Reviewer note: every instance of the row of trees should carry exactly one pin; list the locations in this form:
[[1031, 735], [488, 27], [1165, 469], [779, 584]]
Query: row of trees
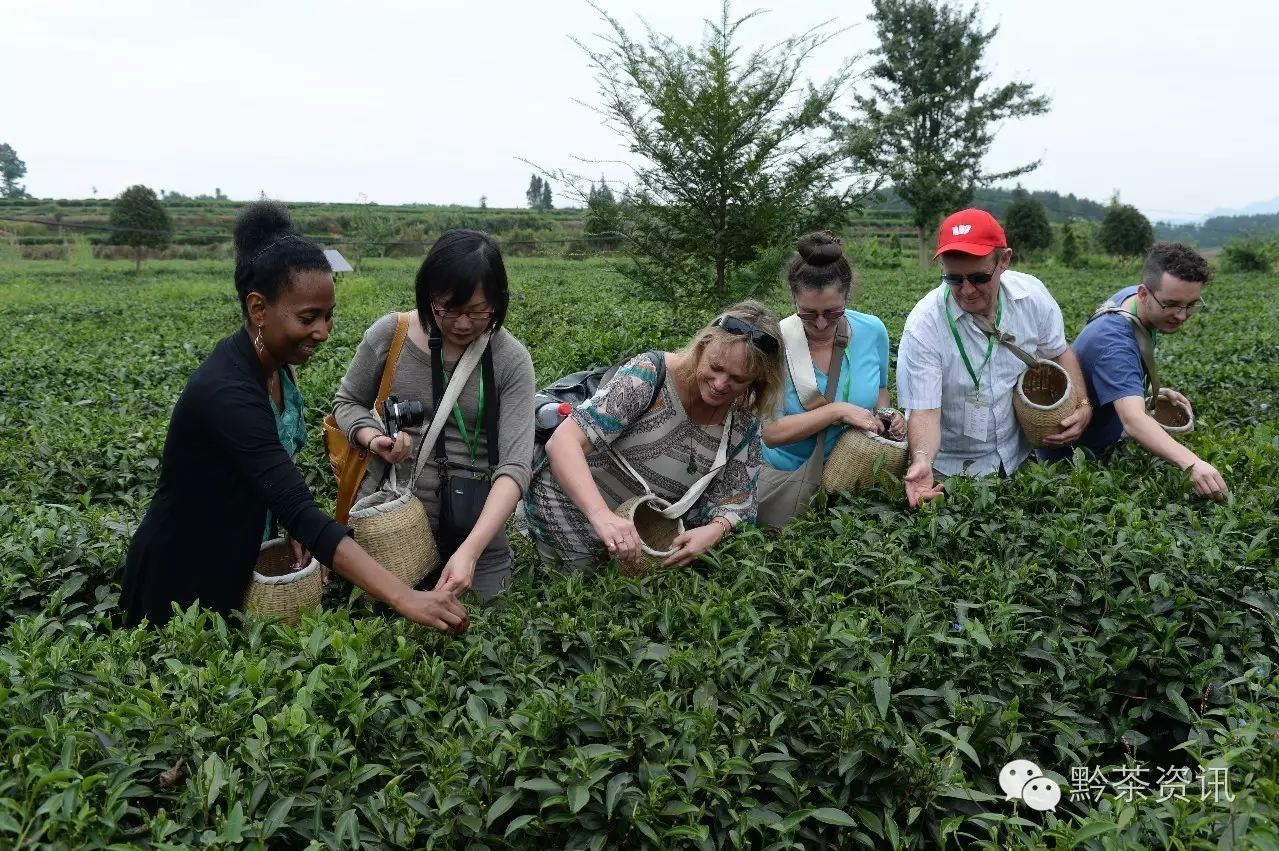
[[538, 194], [739, 153], [1124, 231]]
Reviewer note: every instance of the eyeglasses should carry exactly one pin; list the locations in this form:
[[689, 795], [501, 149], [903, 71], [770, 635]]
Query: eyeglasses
[[833, 315], [762, 340], [1197, 304], [476, 315], [976, 279]]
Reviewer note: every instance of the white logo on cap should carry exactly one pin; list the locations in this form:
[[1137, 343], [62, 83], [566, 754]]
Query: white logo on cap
[[960, 230]]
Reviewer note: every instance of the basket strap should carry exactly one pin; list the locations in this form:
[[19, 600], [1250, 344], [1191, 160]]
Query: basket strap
[[1144, 345], [1003, 338], [698, 487], [817, 458], [444, 405], [799, 360]]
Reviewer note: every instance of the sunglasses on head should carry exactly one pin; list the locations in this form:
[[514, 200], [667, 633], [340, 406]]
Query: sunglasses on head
[[762, 340]]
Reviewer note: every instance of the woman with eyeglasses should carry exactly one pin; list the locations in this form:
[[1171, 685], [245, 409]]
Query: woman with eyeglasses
[[461, 293], [821, 280], [663, 415]]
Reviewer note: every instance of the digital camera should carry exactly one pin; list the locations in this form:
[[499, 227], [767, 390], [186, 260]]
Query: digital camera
[[397, 414]]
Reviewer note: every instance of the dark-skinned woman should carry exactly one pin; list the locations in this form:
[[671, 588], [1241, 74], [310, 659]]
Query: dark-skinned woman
[[226, 474]]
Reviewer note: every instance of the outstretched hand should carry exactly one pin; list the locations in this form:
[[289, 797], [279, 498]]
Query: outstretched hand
[[920, 487]]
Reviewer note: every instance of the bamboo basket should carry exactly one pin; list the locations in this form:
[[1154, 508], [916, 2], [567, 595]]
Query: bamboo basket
[[1043, 397], [656, 533], [278, 592], [1175, 418], [852, 461], [394, 529]]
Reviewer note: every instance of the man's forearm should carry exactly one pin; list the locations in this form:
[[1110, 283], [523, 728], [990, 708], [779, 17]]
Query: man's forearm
[[923, 431]]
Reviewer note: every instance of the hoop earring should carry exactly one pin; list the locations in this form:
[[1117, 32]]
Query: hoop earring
[[257, 341]]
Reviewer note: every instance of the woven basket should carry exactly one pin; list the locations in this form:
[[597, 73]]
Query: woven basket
[[851, 464], [1043, 397], [1175, 418], [655, 533], [279, 592], [394, 529]]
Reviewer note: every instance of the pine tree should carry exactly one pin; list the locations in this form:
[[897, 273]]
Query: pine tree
[[1026, 225], [930, 116], [733, 153], [1070, 253], [534, 192]]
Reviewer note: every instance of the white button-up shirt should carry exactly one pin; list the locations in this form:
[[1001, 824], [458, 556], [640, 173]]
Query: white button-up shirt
[[931, 373]]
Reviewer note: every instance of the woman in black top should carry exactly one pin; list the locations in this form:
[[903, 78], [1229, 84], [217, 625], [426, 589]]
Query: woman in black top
[[224, 466]]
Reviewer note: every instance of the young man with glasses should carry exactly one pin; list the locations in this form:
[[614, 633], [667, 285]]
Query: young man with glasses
[[1172, 282], [956, 383]]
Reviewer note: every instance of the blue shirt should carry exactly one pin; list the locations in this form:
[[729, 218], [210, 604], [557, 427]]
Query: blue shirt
[[863, 374], [290, 425], [1111, 362]]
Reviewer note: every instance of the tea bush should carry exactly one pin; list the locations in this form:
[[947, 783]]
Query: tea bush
[[854, 681]]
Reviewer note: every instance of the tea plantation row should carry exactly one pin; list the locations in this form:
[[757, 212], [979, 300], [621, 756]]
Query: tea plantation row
[[857, 681]]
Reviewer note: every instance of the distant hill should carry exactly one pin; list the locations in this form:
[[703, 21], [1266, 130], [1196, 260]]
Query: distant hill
[[995, 200], [1215, 232], [1260, 208]]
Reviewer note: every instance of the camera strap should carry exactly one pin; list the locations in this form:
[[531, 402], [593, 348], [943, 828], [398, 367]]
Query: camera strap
[[444, 400], [478, 350]]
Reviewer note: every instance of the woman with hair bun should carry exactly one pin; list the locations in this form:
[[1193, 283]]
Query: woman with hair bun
[[821, 281], [227, 472]]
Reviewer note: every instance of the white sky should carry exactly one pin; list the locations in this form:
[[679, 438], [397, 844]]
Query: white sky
[[1172, 103]]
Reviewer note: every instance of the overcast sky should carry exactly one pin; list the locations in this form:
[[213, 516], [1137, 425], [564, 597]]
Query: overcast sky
[[1172, 103]]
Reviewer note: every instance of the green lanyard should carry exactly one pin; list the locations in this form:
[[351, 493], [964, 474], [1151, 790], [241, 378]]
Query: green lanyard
[[472, 443], [963, 353], [1154, 337], [1132, 308]]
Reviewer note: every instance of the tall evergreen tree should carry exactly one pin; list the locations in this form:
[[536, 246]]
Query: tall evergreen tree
[[1070, 253], [534, 192], [733, 149], [545, 203], [1026, 225], [931, 114], [603, 221]]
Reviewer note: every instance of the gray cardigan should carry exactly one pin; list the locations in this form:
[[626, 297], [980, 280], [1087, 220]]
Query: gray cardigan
[[513, 369]]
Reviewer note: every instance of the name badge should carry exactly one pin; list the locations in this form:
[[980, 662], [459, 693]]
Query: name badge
[[976, 417]]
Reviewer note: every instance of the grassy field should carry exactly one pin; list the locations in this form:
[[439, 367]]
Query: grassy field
[[856, 681]]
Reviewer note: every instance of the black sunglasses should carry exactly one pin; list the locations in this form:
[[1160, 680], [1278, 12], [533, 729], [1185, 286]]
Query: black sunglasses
[[976, 279], [762, 340]]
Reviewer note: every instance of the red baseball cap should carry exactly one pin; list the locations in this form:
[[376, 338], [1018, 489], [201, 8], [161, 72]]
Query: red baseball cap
[[970, 231]]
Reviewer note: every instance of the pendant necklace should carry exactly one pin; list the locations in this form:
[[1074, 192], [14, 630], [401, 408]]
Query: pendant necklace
[[692, 462]]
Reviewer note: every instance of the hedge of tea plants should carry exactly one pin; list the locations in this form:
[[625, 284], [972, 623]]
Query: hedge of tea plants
[[854, 682]]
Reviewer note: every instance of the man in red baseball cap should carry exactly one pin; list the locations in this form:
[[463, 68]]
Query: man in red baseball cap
[[953, 378]]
